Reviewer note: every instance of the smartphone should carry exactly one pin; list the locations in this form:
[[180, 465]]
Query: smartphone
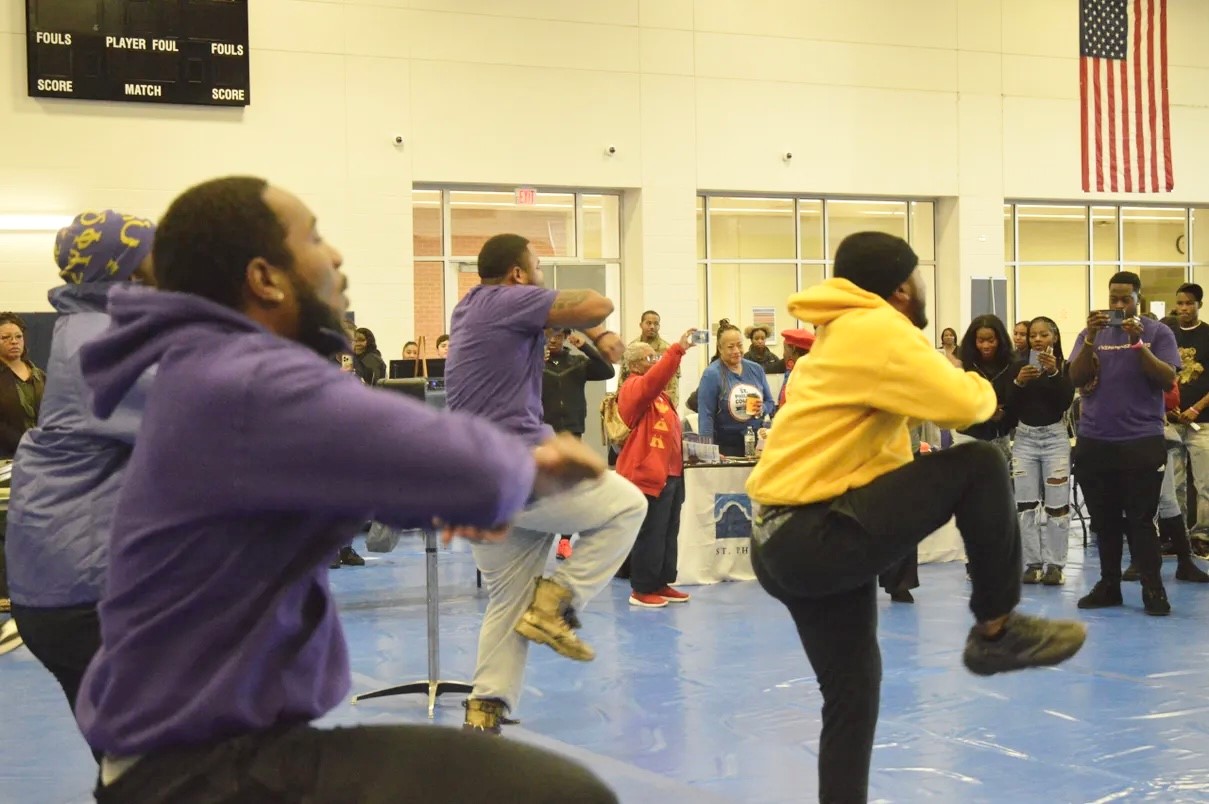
[[1115, 317], [700, 336], [346, 361], [1034, 358]]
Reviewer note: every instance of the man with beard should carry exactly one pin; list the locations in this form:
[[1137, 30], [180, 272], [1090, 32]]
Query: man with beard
[[256, 460], [1121, 453], [496, 372], [839, 499]]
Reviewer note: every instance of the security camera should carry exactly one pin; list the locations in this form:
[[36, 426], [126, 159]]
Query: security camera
[[787, 156], [398, 139], [612, 149]]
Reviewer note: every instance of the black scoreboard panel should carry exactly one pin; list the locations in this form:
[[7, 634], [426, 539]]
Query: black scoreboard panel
[[148, 51]]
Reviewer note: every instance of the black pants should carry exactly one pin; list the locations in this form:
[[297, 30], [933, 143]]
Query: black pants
[[362, 765], [64, 640], [1121, 481], [903, 575], [3, 562], [822, 560], [653, 557], [730, 443]]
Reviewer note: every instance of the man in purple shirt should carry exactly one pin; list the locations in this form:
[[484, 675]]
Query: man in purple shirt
[[1123, 367], [255, 463], [494, 369]]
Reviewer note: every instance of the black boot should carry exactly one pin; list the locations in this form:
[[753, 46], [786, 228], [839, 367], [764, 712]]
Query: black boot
[[1173, 529], [1102, 595], [1154, 599]]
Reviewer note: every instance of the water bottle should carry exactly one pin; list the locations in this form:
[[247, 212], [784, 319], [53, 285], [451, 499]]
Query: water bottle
[[749, 443], [762, 436]]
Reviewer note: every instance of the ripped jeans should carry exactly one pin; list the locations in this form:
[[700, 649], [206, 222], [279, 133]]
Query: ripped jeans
[[1041, 470]]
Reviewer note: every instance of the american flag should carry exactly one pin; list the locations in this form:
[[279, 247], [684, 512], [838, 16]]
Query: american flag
[[1126, 133]]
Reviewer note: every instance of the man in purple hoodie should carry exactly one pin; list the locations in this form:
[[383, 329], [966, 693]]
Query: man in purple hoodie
[[255, 463]]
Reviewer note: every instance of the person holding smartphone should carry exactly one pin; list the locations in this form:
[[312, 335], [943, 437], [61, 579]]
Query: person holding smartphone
[[1121, 454], [1038, 397]]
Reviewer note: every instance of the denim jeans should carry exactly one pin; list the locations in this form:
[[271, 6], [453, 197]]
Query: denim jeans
[[1041, 469], [1194, 449], [1169, 501]]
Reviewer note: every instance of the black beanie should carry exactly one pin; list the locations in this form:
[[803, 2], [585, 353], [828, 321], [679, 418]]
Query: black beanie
[[875, 261]]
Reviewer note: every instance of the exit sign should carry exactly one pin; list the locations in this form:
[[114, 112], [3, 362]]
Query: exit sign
[[526, 196]]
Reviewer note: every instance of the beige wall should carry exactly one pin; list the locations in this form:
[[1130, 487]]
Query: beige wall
[[970, 101]]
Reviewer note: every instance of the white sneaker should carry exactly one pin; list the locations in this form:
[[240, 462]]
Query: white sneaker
[[9, 638]]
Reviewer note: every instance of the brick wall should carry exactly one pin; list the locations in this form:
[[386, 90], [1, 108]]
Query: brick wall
[[428, 305]]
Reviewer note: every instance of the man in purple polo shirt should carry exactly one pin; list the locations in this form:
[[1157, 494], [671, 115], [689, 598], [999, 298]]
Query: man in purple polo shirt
[[494, 369], [255, 463], [1124, 368]]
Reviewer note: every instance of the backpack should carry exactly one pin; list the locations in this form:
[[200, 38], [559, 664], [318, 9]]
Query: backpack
[[612, 428]]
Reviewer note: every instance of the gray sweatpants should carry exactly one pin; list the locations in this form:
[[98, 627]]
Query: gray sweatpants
[[606, 514]]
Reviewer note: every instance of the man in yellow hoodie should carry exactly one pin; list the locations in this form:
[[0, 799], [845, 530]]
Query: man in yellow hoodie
[[839, 499]]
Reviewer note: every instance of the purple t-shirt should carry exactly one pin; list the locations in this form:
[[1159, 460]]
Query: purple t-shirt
[[1125, 404], [494, 369]]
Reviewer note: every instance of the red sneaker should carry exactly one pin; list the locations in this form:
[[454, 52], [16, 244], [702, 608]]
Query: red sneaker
[[647, 601], [673, 595], [564, 549]]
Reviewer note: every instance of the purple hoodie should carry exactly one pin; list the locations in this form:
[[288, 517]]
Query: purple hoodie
[[256, 461]]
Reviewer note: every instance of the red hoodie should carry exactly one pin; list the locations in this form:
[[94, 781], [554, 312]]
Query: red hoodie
[[652, 452]]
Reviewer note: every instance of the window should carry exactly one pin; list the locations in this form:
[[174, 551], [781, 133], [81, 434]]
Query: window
[[450, 225], [754, 252], [1060, 257], [548, 223]]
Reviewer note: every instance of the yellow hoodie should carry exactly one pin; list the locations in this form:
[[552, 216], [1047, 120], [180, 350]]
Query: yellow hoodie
[[844, 422]]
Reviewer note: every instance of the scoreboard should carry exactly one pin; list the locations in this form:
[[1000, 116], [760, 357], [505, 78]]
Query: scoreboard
[[147, 51]]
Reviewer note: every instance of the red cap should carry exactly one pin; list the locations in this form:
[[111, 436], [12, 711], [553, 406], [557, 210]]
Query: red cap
[[801, 338]]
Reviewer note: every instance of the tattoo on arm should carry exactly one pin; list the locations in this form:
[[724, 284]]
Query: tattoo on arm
[[567, 299]]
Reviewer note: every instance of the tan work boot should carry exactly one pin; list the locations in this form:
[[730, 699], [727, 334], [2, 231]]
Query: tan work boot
[[545, 622], [484, 714]]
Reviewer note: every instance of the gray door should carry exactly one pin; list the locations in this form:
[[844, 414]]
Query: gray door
[[588, 277]]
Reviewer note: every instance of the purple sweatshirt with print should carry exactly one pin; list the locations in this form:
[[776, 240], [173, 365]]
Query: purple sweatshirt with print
[[256, 461]]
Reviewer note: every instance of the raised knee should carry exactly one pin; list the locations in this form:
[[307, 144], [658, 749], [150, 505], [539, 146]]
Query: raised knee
[[983, 454]]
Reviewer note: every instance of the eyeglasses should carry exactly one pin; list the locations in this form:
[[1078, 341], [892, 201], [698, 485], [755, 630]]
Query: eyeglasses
[[11, 338]]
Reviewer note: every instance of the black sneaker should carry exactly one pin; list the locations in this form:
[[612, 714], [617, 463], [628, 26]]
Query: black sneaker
[[349, 557], [902, 596], [1101, 596], [1026, 642], [1131, 573], [1154, 600]]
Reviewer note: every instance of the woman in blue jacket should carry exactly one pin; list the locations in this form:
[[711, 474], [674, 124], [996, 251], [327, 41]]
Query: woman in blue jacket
[[68, 470], [733, 396]]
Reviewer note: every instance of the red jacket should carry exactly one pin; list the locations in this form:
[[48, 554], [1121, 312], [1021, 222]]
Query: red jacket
[[653, 450]]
